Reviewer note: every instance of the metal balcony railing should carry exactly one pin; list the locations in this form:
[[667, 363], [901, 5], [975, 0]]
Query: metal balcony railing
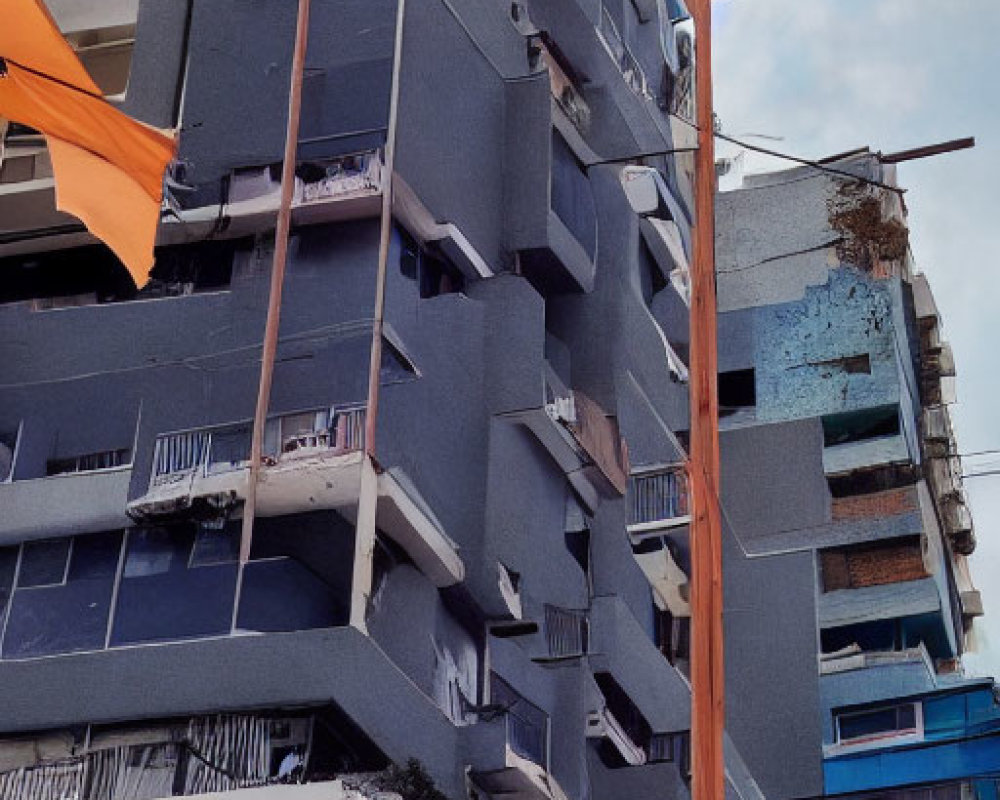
[[527, 725], [660, 496], [209, 451]]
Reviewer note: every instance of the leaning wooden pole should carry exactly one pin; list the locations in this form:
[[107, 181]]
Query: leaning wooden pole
[[271, 326], [707, 675]]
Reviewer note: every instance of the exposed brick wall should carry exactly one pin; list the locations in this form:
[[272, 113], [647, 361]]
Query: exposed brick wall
[[892, 561], [878, 504]]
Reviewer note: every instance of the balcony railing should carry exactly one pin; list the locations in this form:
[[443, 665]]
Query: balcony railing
[[527, 725], [658, 499], [211, 451]]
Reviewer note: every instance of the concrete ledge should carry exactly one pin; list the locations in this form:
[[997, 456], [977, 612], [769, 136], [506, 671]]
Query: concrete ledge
[[79, 502]]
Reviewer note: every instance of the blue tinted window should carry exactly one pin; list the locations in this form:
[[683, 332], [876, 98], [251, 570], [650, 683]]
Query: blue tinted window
[[154, 551], [48, 616], [95, 556], [43, 563], [214, 546]]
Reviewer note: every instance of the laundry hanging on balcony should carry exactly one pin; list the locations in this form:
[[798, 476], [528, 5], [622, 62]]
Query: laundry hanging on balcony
[[108, 168]]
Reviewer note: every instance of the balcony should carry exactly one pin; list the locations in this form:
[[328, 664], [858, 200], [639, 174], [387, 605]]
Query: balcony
[[625, 734], [311, 461], [658, 499], [510, 747], [75, 502], [582, 438], [337, 190]]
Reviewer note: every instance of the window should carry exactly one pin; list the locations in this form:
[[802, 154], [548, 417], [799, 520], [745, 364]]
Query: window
[[857, 426], [672, 634], [106, 459], [177, 584], [63, 594], [737, 390], [876, 724], [43, 563], [192, 268], [433, 272]]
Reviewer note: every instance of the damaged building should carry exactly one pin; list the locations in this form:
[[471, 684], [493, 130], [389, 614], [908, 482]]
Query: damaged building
[[505, 607], [478, 585], [848, 594]]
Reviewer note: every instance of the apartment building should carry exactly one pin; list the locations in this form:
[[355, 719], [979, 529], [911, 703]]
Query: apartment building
[[848, 591], [514, 620]]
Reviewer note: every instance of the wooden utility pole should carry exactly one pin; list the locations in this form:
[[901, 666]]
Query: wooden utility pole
[[707, 674], [271, 326]]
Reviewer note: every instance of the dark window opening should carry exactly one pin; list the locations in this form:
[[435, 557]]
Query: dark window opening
[[83, 276], [737, 390], [106, 459], [396, 366], [64, 278], [857, 426], [434, 274], [875, 564], [651, 276], [673, 636], [628, 716], [875, 479], [877, 723], [870, 637], [578, 544], [300, 573], [188, 269]]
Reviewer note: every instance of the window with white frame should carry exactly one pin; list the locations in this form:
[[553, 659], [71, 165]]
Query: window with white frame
[[874, 725]]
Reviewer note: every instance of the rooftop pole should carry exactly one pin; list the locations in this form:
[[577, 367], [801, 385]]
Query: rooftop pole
[[281, 234], [707, 675]]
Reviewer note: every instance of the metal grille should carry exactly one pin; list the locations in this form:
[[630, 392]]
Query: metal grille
[[180, 452], [658, 496], [566, 631], [527, 725]]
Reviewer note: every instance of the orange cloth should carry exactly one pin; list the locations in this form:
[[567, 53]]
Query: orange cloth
[[112, 205], [108, 168], [29, 36], [88, 122]]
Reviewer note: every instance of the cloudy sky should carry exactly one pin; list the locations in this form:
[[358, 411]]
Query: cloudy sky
[[831, 75]]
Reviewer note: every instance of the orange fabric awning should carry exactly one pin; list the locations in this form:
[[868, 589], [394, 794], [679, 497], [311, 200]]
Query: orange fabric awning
[[108, 167]]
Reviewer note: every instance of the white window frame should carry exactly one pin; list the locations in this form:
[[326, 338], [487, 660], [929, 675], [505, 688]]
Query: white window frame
[[885, 738]]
